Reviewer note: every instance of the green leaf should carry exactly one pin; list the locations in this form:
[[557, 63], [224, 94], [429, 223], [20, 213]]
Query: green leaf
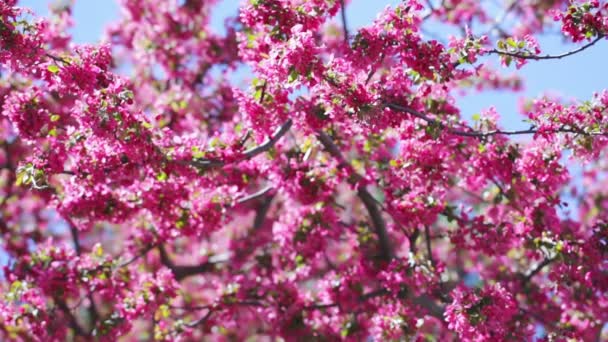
[[197, 153], [293, 75], [53, 68], [511, 42], [162, 176]]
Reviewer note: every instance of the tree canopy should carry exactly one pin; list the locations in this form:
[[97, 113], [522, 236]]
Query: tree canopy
[[339, 193]]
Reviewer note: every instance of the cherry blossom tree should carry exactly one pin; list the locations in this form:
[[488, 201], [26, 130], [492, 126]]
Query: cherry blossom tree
[[338, 194]]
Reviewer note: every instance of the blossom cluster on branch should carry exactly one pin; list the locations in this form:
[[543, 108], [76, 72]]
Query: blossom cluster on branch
[[146, 193]]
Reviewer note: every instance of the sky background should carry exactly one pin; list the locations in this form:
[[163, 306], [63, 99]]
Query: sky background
[[577, 76]]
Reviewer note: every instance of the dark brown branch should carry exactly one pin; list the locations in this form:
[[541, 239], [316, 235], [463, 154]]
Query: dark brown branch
[[202, 320], [74, 325], [251, 153], [93, 312], [363, 298], [181, 272], [386, 252], [537, 57], [344, 23], [260, 215], [74, 234], [429, 248], [255, 195], [412, 240], [135, 258], [537, 269], [57, 59], [470, 132], [424, 301]]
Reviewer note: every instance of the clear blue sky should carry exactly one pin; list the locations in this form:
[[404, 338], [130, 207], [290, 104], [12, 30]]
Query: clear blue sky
[[577, 76]]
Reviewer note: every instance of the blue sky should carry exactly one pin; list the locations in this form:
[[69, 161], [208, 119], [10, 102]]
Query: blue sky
[[577, 76]]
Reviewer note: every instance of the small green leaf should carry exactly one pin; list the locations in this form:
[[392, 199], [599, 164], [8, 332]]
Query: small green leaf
[[55, 118], [162, 176], [53, 68], [511, 42], [293, 75]]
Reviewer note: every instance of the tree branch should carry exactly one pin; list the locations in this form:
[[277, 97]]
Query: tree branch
[[429, 249], [181, 272], [255, 195], [537, 269], [74, 325], [344, 24], [470, 132], [537, 58], [249, 154], [260, 215], [368, 200]]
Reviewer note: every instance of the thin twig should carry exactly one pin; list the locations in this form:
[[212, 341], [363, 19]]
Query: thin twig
[[181, 272], [537, 269], [249, 154], [429, 249], [344, 24], [470, 132], [255, 195], [135, 258], [57, 59], [544, 57]]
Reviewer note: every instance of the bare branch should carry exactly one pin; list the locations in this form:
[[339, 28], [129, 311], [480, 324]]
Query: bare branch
[[74, 325], [537, 269], [249, 154], [470, 132], [429, 249], [537, 57], [135, 258], [255, 195], [344, 24], [260, 215], [181, 272], [368, 200]]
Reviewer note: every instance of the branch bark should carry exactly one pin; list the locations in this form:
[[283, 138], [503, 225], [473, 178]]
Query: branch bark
[[249, 154], [470, 132], [181, 272], [386, 251], [544, 57], [74, 325], [344, 24]]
